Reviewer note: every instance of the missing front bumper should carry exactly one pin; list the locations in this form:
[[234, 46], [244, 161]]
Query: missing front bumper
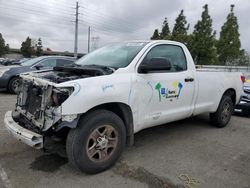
[[24, 135]]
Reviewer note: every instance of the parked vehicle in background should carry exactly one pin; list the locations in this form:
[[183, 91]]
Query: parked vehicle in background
[[7, 61], [100, 102], [244, 105], [9, 75], [1, 60], [20, 61]]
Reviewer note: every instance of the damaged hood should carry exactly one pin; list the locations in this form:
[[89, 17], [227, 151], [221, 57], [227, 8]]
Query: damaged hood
[[67, 73]]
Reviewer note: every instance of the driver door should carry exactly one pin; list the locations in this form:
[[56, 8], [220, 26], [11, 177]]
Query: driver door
[[165, 96]]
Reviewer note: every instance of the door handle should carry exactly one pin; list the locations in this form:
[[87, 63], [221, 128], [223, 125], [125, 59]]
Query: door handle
[[189, 79]]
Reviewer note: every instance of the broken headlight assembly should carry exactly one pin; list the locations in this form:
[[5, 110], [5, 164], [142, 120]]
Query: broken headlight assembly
[[59, 95]]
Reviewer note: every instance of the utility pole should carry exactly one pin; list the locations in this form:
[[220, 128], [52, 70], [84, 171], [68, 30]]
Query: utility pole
[[89, 39], [76, 30]]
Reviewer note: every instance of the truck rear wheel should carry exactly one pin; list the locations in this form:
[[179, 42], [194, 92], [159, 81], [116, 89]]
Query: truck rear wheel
[[224, 112], [97, 142]]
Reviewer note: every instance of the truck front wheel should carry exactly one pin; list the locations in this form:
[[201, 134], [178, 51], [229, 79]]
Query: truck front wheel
[[224, 112], [97, 142]]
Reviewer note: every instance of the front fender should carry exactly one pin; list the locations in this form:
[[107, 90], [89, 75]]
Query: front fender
[[94, 91]]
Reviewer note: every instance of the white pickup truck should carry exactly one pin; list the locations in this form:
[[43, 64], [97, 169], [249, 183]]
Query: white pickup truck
[[97, 104]]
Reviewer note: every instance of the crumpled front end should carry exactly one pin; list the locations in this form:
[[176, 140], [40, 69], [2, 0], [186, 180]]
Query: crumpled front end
[[43, 100], [39, 103], [38, 111], [20, 133]]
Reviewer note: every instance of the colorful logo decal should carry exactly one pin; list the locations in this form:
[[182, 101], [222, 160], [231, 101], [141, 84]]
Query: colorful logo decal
[[168, 93]]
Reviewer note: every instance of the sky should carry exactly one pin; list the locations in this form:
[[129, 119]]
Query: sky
[[109, 20]]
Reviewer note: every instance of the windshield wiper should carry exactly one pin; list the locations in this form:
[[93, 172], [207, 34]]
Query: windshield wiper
[[76, 65], [101, 66]]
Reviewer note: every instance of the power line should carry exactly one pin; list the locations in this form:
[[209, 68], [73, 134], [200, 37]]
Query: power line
[[103, 28], [96, 22], [35, 13], [65, 7], [38, 9], [120, 27], [111, 27], [33, 8], [98, 17], [107, 32], [94, 25], [92, 11], [65, 25], [101, 25], [116, 27], [61, 17]]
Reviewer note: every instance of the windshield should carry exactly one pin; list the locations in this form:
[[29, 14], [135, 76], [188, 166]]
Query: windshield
[[116, 55], [31, 62]]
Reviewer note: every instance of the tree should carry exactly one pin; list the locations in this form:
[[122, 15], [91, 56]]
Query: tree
[[165, 31], [39, 47], [229, 41], [203, 48], [180, 29], [156, 35], [3, 49], [27, 49], [7, 48], [244, 59]]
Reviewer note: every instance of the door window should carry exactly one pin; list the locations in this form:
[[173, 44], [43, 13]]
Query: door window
[[48, 63], [62, 62], [172, 53]]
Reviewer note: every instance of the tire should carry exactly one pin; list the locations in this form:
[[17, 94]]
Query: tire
[[224, 112], [99, 132], [13, 85]]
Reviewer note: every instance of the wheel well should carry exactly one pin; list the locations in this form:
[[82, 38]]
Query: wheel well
[[15, 76], [231, 93], [12, 78], [8, 83], [125, 113]]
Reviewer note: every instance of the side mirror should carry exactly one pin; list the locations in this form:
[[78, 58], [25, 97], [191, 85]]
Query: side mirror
[[38, 67], [155, 64]]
